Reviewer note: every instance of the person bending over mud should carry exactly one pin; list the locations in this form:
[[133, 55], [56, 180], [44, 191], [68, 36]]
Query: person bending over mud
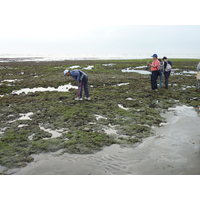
[[82, 78]]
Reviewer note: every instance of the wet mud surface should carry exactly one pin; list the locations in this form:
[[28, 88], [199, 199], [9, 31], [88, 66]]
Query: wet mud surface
[[173, 150], [123, 111]]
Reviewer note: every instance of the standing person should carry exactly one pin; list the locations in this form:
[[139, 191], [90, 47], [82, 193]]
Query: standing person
[[154, 72], [161, 67], [82, 78], [166, 73], [198, 78]]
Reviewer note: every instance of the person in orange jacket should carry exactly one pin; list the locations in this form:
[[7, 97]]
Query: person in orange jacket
[[154, 72]]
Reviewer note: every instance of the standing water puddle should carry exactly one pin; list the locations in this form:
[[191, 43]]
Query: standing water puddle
[[55, 133], [63, 88], [136, 71]]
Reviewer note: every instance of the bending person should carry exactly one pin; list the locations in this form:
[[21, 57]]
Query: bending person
[[82, 78]]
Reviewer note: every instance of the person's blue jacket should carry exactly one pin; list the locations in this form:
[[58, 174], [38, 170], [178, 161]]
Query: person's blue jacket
[[76, 74]]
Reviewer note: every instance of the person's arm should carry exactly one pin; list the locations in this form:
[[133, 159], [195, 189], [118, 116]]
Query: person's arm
[[152, 65], [75, 75]]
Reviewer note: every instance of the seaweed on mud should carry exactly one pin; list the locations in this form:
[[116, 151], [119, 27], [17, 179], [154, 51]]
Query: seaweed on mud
[[81, 131]]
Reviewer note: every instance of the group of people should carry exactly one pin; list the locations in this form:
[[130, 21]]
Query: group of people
[[158, 68]]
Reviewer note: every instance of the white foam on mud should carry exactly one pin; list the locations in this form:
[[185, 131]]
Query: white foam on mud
[[63, 88], [140, 67], [172, 85], [129, 99], [123, 84], [55, 133], [189, 72], [121, 106], [26, 116], [31, 137], [11, 81], [110, 131], [186, 73], [99, 117], [107, 65], [7, 84], [2, 131], [136, 71], [89, 67], [186, 87], [22, 125], [74, 67]]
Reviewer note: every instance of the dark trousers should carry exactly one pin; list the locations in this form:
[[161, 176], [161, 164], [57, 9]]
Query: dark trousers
[[167, 74], [83, 83], [154, 76]]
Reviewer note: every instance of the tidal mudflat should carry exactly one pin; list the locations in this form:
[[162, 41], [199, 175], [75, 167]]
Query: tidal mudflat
[[38, 113]]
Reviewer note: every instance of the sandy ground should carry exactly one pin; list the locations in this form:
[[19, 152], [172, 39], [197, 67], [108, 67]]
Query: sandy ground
[[173, 150]]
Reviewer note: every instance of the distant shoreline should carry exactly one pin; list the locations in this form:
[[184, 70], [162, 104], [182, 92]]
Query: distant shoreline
[[81, 57]]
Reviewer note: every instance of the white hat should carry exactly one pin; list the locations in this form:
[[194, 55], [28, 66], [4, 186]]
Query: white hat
[[65, 72]]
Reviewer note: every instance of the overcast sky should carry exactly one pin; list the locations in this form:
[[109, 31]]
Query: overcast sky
[[98, 27]]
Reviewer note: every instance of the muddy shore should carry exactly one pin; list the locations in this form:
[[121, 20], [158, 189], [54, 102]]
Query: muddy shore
[[122, 115], [173, 150]]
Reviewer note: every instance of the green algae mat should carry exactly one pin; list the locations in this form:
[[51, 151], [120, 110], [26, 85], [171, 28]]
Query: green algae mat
[[122, 109]]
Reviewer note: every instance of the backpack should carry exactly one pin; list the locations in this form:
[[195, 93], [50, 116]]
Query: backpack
[[161, 67], [168, 67]]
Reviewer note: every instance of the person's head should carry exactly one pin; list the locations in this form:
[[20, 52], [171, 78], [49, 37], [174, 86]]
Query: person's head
[[66, 72], [160, 60], [155, 56], [164, 58]]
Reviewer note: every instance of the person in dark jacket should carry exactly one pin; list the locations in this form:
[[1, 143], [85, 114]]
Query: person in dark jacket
[[166, 73], [82, 78], [161, 68]]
